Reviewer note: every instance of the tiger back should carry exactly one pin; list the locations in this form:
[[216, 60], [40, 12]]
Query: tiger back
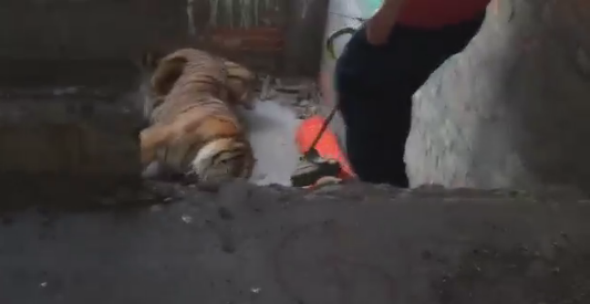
[[194, 130], [240, 83]]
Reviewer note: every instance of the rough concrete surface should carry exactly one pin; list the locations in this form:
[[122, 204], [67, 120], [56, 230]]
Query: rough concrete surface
[[511, 110], [67, 140], [68, 129], [358, 244]]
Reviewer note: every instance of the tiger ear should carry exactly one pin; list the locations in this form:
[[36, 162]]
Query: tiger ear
[[166, 73]]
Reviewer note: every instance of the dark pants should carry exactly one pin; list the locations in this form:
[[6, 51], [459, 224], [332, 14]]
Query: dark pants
[[375, 87]]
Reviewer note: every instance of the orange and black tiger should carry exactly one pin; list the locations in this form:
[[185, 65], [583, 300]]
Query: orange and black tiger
[[194, 130]]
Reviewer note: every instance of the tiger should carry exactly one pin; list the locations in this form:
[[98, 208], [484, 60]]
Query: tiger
[[193, 129]]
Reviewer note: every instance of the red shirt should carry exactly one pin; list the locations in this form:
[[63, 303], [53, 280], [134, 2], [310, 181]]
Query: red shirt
[[437, 13]]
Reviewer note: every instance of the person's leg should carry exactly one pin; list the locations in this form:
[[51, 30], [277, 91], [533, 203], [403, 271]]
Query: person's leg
[[375, 87], [366, 138]]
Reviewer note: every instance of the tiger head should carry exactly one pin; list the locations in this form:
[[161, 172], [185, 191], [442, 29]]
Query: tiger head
[[222, 160]]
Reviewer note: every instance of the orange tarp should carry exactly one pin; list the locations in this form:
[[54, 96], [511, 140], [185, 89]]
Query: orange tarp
[[327, 146]]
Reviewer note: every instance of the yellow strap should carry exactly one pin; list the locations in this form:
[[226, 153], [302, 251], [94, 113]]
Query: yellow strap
[[333, 36]]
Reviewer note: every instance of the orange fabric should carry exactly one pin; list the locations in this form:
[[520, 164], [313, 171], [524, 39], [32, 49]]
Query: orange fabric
[[327, 146], [438, 13]]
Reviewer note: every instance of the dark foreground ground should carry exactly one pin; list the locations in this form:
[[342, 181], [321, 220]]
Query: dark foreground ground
[[361, 244]]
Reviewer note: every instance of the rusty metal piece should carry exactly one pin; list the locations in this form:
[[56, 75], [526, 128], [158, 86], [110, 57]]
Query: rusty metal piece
[[262, 39]]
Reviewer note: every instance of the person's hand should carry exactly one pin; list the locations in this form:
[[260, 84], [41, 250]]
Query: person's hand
[[376, 34], [381, 24]]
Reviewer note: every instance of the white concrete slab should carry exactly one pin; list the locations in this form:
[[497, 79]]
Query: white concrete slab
[[272, 134]]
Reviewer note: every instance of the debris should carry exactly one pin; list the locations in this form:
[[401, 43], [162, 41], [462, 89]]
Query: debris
[[266, 88], [187, 218], [255, 290]]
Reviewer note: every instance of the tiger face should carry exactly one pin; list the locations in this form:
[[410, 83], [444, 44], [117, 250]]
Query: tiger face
[[222, 160]]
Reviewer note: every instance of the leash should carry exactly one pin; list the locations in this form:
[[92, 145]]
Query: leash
[[312, 152]]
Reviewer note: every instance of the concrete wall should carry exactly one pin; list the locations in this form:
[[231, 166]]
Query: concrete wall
[[104, 31]]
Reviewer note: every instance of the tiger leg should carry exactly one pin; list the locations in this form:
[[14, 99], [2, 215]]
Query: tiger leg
[[151, 139]]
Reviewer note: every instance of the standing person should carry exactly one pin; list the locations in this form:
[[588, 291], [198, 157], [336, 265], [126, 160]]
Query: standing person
[[383, 64]]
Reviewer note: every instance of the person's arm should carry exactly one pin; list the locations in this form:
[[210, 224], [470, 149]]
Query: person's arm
[[380, 25]]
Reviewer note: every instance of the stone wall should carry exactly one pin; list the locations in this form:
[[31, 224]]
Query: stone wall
[[511, 110]]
